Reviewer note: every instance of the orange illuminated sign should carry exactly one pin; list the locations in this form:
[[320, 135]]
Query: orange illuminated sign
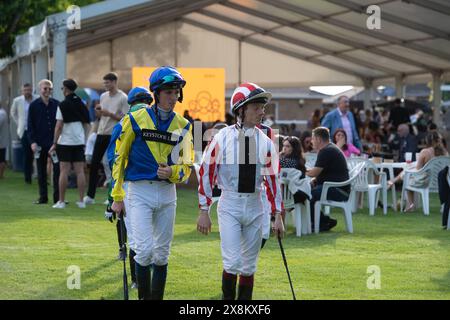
[[203, 95]]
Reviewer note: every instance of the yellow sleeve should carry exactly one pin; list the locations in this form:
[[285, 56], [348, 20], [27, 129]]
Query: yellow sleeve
[[123, 146], [182, 170]]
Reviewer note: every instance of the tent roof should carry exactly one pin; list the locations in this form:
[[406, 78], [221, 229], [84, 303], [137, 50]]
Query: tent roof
[[414, 38]]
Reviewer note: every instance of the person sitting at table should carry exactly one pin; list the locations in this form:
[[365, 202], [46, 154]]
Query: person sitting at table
[[330, 166], [306, 143], [434, 148], [404, 142], [340, 139], [291, 157]]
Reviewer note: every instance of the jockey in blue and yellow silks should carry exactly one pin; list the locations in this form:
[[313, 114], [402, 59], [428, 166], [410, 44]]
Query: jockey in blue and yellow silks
[[153, 152], [138, 98]]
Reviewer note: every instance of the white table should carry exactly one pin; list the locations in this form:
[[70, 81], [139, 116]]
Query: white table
[[390, 167]]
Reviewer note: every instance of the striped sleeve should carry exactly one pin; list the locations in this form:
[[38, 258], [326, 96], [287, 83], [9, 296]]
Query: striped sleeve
[[208, 174], [271, 180]]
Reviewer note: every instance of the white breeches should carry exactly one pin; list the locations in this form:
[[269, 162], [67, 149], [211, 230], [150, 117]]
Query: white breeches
[[240, 222], [151, 215]]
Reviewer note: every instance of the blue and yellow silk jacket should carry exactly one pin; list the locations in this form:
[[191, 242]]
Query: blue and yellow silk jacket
[[145, 142]]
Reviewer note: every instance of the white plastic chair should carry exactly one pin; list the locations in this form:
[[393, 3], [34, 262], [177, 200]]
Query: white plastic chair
[[345, 205], [362, 183], [301, 213], [431, 168]]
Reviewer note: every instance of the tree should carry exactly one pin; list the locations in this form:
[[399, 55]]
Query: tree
[[19, 15]]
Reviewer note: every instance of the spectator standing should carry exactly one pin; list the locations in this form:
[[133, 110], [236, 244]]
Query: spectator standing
[[113, 106], [41, 129], [19, 114], [72, 124], [342, 117], [4, 140]]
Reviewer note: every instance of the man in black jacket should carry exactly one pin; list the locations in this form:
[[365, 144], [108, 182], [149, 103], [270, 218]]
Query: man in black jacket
[[41, 127]]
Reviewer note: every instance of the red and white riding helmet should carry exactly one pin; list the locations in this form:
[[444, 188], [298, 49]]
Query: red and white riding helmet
[[248, 92]]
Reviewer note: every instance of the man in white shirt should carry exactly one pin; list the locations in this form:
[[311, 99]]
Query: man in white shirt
[[113, 106], [72, 124], [19, 114]]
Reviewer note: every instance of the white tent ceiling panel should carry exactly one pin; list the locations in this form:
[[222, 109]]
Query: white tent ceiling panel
[[381, 61], [387, 28], [310, 38], [320, 6], [418, 14], [345, 33], [438, 44], [422, 78], [285, 45], [262, 7], [241, 16], [219, 24], [287, 71], [366, 3], [417, 56], [351, 66]]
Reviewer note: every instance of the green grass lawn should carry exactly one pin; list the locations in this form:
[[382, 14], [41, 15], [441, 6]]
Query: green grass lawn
[[39, 243]]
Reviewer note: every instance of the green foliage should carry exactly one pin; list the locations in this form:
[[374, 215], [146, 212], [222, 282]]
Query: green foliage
[[39, 243], [17, 16]]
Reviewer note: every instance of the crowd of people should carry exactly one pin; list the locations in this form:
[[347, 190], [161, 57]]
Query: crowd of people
[[148, 148]]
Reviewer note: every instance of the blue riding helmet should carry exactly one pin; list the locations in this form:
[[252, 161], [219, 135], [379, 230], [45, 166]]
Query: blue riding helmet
[[167, 77], [140, 94]]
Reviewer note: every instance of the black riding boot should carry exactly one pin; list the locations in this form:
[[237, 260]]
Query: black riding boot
[[245, 290], [159, 281], [143, 280], [228, 286]]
